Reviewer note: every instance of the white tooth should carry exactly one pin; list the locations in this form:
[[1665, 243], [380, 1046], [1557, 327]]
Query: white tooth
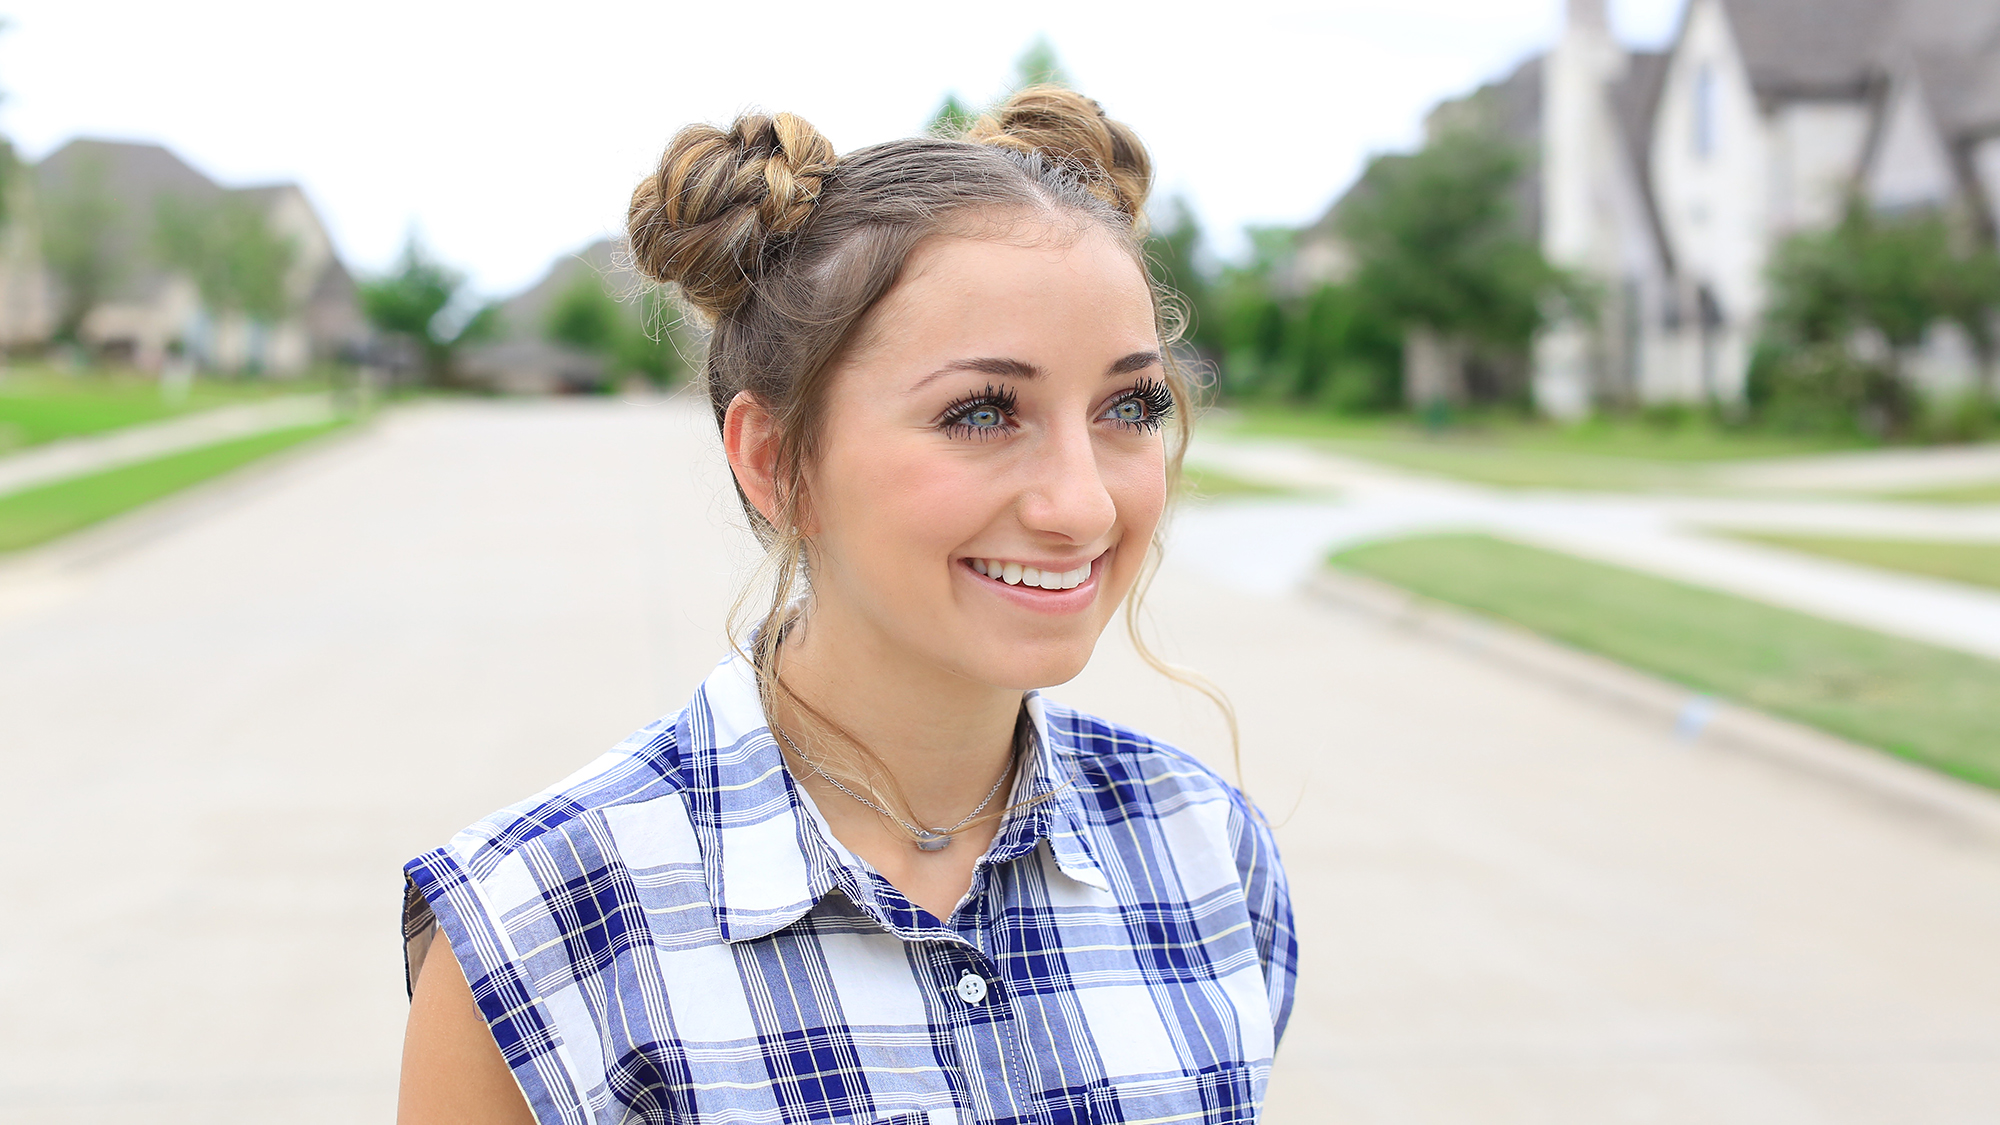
[[1074, 578], [1051, 580], [1030, 576], [995, 568], [1012, 574], [979, 565]]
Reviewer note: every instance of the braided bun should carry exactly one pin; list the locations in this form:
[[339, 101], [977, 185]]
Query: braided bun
[[1070, 129], [705, 219]]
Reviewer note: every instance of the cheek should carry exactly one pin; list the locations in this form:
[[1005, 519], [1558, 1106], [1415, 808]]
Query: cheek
[[896, 507], [1138, 488]]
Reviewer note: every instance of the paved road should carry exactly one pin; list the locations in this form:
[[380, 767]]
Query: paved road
[[1516, 907]]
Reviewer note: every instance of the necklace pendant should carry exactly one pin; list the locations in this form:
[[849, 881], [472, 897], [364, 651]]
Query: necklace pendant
[[933, 841]]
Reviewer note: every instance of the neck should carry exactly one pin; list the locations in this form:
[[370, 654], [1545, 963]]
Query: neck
[[943, 738]]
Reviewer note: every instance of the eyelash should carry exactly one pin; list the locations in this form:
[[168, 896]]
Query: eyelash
[[953, 418], [1155, 395], [1159, 400]]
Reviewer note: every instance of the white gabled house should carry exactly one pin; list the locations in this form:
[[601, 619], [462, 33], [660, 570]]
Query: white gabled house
[[1766, 116], [1669, 177]]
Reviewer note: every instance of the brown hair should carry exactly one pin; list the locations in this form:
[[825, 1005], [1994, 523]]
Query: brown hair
[[783, 248]]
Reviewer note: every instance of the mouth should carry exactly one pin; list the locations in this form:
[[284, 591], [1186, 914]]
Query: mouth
[[1035, 577]]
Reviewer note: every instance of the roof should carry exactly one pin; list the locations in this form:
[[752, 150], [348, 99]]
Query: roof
[[133, 177], [1812, 48], [525, 312], [1844, 48], [1511, 107]]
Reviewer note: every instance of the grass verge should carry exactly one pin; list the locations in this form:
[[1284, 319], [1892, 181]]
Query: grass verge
[[1927, 704], [1203, 483], [37, 515], [1602, 453], [39, 406], [1977, 563]]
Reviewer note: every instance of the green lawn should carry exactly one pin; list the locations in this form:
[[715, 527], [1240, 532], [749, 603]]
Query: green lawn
[[1603, 453], [1977, 563], [1967, 494], [1928, 704], [1202, 483], [37, 405], [37, 515]]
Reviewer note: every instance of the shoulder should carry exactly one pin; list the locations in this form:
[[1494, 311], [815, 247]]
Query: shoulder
[[645, 770], [1159, 802], [1127, 766]]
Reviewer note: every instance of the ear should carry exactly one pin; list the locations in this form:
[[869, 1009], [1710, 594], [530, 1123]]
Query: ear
[[750, 438]]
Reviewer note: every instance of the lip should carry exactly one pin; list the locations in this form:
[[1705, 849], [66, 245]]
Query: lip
[[1035, 598]]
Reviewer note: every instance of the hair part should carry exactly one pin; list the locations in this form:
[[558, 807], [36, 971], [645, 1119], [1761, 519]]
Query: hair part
[[784, 250]]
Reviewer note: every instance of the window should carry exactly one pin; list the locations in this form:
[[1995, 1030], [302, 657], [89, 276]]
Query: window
[[1704, 110]]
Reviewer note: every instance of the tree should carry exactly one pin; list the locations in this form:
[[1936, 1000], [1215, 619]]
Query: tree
[[1893, 275], [1439, 247], [80, 223], [584, 316], [1039, 66], [413, 301], [952, 119], [239, 262], [632, 339], [10, 175]]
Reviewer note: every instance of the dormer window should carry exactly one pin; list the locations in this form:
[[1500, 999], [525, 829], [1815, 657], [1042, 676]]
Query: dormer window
[[1704, 110]]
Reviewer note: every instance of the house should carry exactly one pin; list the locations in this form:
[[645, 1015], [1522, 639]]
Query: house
[[1669, 177], [89, 253], [524, 360]]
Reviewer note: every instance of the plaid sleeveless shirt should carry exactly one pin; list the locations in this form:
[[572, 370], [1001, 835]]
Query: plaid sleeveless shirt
[[673, 935]]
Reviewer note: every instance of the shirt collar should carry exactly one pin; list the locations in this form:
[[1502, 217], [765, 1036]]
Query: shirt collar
[[767, 855]]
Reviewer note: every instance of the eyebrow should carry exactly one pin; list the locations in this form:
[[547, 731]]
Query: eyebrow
[[1021, 369]]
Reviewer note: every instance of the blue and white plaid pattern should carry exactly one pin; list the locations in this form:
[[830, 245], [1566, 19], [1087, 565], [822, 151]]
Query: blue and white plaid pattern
[[656, 939]]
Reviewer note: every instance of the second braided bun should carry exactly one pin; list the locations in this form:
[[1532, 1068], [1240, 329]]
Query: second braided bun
[[720, 200], [1067, 128]]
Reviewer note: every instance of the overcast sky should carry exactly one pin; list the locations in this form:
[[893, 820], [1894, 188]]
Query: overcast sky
[[508, 134]]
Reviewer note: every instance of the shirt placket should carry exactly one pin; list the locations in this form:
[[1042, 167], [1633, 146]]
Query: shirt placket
[[982, 1016]]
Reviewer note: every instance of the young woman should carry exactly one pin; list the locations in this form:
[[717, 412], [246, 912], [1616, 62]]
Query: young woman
[[869, 873]]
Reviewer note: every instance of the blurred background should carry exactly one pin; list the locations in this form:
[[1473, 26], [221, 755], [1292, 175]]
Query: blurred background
[[1596, 522]]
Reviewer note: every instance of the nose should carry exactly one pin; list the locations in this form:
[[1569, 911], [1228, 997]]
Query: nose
[[1066, 495]]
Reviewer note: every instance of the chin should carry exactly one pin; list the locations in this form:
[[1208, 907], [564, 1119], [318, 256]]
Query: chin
[[1031, 666]]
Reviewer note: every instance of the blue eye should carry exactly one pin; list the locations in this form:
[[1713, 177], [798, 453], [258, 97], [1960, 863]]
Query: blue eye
[[986, 414], [1149, 403]]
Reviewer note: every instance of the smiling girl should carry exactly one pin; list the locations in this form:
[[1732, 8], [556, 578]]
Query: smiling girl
[[870, 873]]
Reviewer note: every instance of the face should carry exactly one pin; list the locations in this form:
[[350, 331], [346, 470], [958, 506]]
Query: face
[[992, 466]]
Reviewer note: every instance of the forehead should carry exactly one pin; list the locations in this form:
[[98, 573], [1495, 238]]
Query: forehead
[[1015, 287]]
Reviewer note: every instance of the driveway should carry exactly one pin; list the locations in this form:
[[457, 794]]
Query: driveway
[[1516, 905]]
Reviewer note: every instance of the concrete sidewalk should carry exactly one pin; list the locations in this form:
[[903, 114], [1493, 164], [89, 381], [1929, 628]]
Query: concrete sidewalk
[[1516, 906], [1875, 470], [1272, 545], [44, 464]]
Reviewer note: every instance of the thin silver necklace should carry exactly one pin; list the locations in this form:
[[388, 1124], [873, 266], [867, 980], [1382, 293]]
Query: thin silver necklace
[[926, 839]]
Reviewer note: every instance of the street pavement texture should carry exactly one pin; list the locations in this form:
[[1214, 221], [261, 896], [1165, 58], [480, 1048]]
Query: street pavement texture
[[1269, 546], [222, 738]]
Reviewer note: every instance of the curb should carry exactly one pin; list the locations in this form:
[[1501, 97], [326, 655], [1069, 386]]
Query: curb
[[1697, 719], [41, 575]]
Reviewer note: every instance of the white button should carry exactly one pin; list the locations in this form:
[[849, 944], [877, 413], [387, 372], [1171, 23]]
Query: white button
[[971, 987]]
